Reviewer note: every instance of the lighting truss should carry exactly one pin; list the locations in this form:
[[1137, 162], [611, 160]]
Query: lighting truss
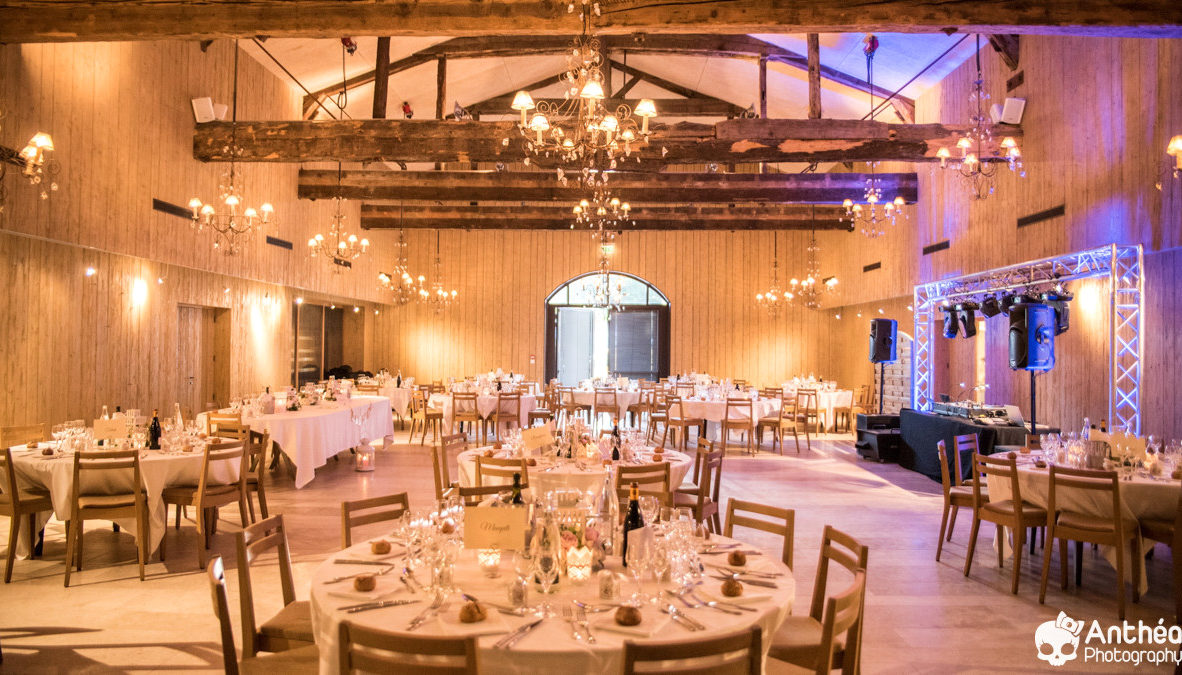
[[1123, 265]]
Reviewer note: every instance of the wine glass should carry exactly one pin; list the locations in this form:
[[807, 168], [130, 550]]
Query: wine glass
[[649, 508], [638, 563]]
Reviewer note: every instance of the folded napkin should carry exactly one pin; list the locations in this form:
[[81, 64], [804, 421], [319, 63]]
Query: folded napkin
[[347, 592], [744, 599], [447, 622], [652, 621]]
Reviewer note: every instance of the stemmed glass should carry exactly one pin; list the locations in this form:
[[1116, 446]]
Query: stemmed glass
[[545, 550], [638, 564], [649, 508]]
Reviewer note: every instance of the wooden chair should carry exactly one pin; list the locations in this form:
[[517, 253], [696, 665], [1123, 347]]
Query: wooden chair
[[500, 471], [1168, 532], [451, 444], [739, 383], [367, 389], [684, 389], [545, 411], [690, 484], [742, 514], [23, 435], [815, 641], [302, 660], [1117, 531], [507, 413], [464, 409], [256, 458], [739, 416], [606, 403], [704, 503], [291, 627], [806, 411], [472, 496], [644, 405], [571, 407], [785, 420], [420, 414], [1012, 513], [398, 504], [659, 415], [208, 495], [21, 507], [652, 479], [372, 650], [955, 497], [966, 443], [132, 503], [214, 419], [734, 654], [844, 415], [677, 420]]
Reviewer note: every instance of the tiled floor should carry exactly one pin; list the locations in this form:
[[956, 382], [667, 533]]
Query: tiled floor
[[922, 616]]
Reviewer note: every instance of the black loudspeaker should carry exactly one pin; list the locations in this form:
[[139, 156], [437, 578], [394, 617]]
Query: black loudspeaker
[[1032, 336], [882, 340]]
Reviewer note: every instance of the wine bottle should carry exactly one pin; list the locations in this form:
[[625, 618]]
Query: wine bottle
[[176, 411], [154, 431], [1086, 430], [633, 521], [609, 513], [398, 382], [106, 415], [517, 490], [615, 440]]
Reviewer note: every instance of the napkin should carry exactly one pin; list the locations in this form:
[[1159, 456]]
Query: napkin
[[387, 585], [651, 623], [744, 599], [448, 622]]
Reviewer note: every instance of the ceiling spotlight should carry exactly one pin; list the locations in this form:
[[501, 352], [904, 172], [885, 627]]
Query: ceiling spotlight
[[159, 280], [967, 314], [299, 301], [990, 307], [950, 324], [356, 309], [837, 316], [90, 271], [1058, 301], [226, 289], [880, 310]]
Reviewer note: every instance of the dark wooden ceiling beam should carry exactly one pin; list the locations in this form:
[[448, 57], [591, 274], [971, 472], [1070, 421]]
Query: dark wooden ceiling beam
[[1007, 47], [89, 21], [695, 188], [729, 141], [671, 107], [556, 217]]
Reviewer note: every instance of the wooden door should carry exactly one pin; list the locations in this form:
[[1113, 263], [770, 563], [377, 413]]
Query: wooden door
[[203, 358]]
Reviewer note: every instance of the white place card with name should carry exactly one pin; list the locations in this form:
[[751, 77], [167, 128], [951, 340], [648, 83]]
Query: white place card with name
[[494, 527], [538, 437], [110, 429]]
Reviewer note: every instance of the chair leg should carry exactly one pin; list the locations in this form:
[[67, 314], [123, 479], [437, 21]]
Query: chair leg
[[243, 500], [143, 535], [1120, 582], [1046, 572], [14, 530], [202, 537], [968, 559], [943, 525], [1001, 540], [33, 549], [1019, 544], [1062, 560], [1138, 568], [262, 499], [952, 521], [1078, 564]]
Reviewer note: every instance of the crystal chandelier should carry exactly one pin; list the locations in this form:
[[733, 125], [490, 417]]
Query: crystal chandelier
[[400, 282], [339, 247], [972, 166], [774, 298], [39, 165], [602, 213], [228, 223], [436, 297], [809, 290], [581, 128], [604, 293], [872, 219]]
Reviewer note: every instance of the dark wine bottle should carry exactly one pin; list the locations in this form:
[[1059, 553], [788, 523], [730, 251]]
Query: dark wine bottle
[[154, 431], [633, 521], [398, 382], [615, 440], [517, 490]]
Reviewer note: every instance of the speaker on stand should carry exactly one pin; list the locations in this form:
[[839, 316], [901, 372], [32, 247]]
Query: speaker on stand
[[883, 333], [1032, 344]]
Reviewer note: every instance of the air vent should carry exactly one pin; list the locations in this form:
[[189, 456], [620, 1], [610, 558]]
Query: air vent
[[172, 209], [343, 263], [1053, 212], [939, 246], [872, 266], [281, 243]]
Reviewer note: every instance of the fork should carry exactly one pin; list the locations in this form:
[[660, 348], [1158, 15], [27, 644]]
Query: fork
[[581, 615], [569, 615], [426, 614], [409, 579], [698, 602]]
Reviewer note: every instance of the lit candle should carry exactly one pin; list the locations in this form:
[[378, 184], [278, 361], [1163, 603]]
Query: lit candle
[[490, 561], [578, 564]]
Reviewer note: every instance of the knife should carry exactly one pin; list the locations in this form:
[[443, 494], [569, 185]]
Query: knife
[[345, 561], [377, 605], [510, 639]]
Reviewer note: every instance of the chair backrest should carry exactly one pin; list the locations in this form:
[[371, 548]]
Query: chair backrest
[[709, 476], [376, 510], [1004, 468], [734, 654], [235, 430], [771, 392], [440, 453], [685, 388], [566, 396], [23, 435], [256, 452], [739, 410], [605, 397], [508, 405], [253, 541], [675, 407], [841, 548], [372, 650], [472, 496], [367, 389], [806, 402], [843, 614], [965, 443], [739, 383], [95, 461], [10, 498], [651, 479], [945, 480], [418, 403], [783, 523], [213, 419], [221, 609], [463, 405], [501, 470], [1094, 480], [221, 452]]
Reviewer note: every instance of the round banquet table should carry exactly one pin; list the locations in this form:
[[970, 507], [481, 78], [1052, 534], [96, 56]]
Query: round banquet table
[[159, 469], [549, 648], [624, 398], [1141, 497], [485, 405], [568, 474], [714, 411]]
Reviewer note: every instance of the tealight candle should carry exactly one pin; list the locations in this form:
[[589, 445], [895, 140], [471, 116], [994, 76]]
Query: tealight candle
[[490, 561], [578, 564]]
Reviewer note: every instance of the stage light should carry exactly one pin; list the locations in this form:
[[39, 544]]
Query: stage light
[[990, 307], [949, 323], [1058, 301], [966, 312]]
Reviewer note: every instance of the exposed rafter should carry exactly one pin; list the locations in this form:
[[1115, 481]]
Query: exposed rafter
[[558, 217], [636, 187], [729, 141], [89, 21]]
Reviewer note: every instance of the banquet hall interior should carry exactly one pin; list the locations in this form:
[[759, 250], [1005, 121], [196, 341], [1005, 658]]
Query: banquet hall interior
[[609, 336]]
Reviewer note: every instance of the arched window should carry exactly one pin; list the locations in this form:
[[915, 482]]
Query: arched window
[[626, 336]]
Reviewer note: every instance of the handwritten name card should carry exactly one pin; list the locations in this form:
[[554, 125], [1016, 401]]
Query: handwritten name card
[[538, 437], [110, 429], [494, 527]]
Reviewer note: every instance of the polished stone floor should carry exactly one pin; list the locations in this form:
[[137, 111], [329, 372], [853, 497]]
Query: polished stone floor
[[922, 616]]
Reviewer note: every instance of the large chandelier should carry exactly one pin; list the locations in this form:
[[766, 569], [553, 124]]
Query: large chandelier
[[437, 297], [809, 290], [973, 167], [603, 213], [339, 247], [604, 293], [400, 282], [774, 298], [581, 128], [872, 219], [229, 221]]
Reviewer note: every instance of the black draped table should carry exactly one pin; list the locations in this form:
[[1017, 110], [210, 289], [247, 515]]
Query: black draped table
[[922, 431]]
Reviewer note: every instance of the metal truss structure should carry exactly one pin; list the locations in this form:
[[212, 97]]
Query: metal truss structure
[[1123, 265]]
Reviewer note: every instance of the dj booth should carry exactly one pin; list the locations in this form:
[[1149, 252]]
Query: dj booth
[[921, 431]]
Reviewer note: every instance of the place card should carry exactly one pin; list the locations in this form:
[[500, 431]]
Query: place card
[[538, 437], [494, 527], [110, 429]]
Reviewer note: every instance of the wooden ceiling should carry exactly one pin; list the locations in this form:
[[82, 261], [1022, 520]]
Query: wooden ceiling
[[85, 20]]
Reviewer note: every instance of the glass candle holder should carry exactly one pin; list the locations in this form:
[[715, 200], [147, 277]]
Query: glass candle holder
[[490, 561]]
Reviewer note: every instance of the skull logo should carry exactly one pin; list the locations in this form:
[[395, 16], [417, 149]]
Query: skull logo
[[1058, 640]]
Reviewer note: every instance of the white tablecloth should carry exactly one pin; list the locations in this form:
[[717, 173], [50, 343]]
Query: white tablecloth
[[1140, 498], [568, 475], [485, 404], [312, 434], [158, 470], [714, 411], [399, 398], [624, 398], [549, 648], [828, 403]]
